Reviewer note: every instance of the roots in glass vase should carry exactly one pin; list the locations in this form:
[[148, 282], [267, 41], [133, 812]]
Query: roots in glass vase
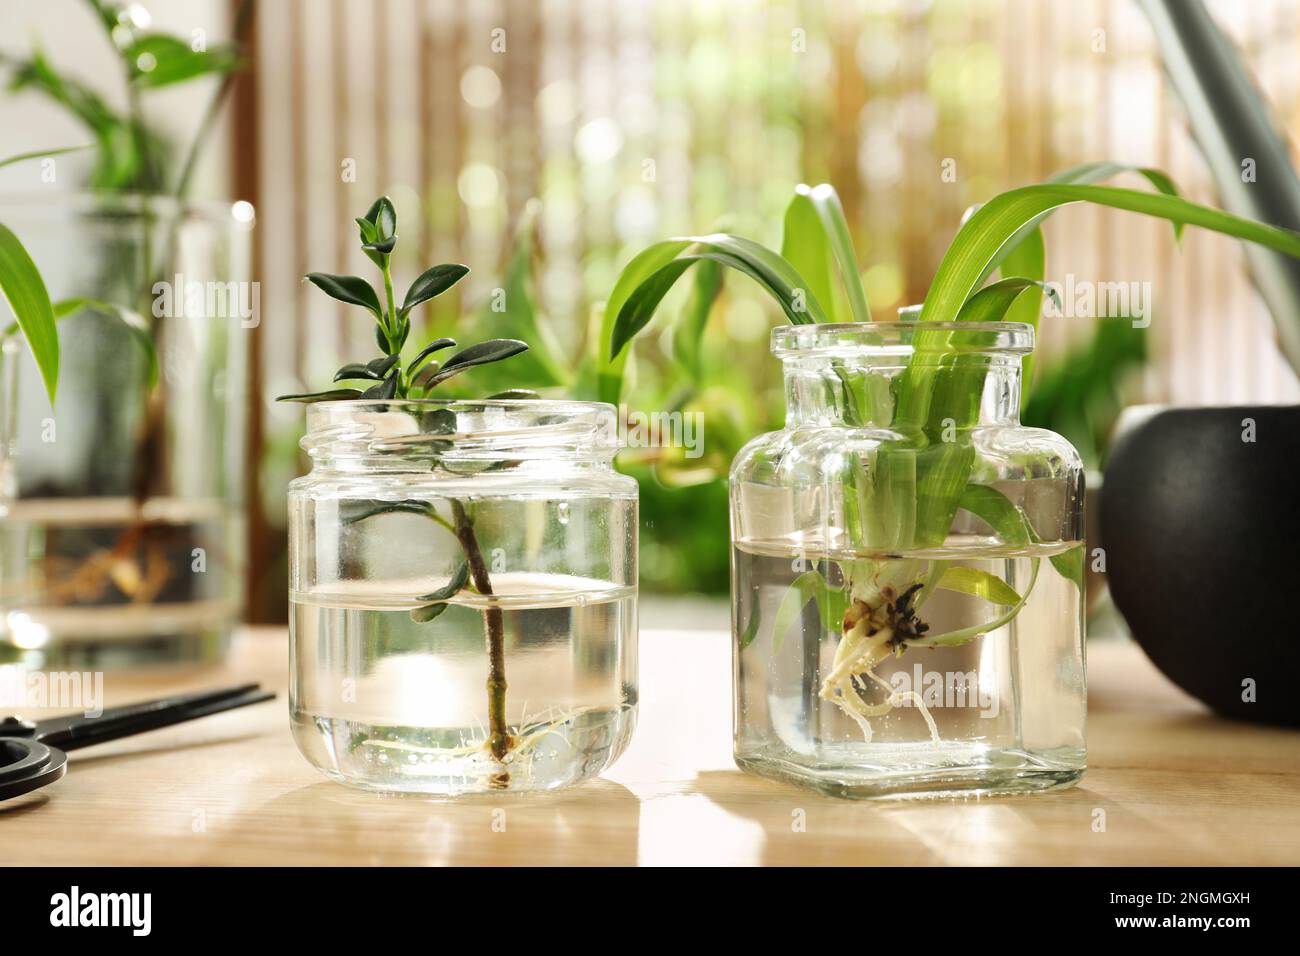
[[882, 602]]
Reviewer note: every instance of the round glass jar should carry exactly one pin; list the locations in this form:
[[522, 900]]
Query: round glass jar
[[463, 593], [907, 570]]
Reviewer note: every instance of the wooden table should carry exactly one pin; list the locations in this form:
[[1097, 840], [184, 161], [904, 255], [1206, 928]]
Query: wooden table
[[1177, 785]]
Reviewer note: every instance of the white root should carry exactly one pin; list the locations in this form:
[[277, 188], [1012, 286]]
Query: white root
[[866, 642]]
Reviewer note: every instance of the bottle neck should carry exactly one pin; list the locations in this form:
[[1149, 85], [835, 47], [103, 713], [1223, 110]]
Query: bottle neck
[[884, 392]]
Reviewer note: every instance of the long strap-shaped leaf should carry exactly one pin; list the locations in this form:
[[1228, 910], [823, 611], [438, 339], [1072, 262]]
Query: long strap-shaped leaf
[[649, 277], [989, 229], [980, 241], [821, 205], [22, 286]]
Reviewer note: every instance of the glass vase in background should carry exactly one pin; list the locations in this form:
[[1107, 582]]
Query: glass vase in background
[[121, 512], [907, 607], [463, 591]]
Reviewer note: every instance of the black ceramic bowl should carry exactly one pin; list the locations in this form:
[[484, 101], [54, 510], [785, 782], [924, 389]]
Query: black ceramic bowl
[[1201, 529]]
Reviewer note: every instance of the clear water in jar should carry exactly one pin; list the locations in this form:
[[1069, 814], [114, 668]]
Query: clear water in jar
[[384, 702], [1004, 711]]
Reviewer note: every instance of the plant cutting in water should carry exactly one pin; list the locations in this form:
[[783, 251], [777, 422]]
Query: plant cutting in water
[[393, 377], [871, 580], [131, 158]]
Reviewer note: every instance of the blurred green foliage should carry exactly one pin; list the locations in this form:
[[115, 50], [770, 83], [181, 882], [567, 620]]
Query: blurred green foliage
[[1079, 395]]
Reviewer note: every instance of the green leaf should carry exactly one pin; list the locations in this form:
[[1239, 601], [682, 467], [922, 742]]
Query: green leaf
[[379, 244], [991, 303], [493, 350], [1069, 565], [436, 345], [1028, 259], [825, 204], [383, 391], [649, 276], [158, 60], [806, 245], [409, 506], [42, 153], [516, 315], [746, 637], [1010, 524], [967, 634], [373, 370], [516, 394], [383, 215], [980, 584], [458, 581], [688, 333], [332, 395], [367, 229], [24, 290], [433, 282], [643, 265], [999, 512], [353, 290], [422, 615], [979, 241], [809, 586]]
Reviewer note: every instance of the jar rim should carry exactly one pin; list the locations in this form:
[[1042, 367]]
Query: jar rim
[[479, 429], [901, 338]]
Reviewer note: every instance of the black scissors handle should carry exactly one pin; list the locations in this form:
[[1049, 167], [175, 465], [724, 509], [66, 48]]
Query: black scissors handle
[[27, 765], [77, 730]]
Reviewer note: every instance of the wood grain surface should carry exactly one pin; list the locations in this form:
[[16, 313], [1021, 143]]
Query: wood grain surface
[[1178, 786]]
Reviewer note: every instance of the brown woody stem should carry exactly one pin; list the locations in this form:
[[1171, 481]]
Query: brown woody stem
[[499, 738]]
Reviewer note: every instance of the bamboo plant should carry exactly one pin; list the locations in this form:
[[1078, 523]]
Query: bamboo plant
[[391, 376], [902, 499]]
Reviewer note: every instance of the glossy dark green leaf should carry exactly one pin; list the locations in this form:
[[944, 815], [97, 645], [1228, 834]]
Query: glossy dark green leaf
[[437, 345], [331, 395], [384, 246], [353, 290], [384, 217], [355, 370], [493, 350], [433, 282], [515, 394], [421, 508], [422, 615], [439, 421], [384, 390], [374, 370]]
